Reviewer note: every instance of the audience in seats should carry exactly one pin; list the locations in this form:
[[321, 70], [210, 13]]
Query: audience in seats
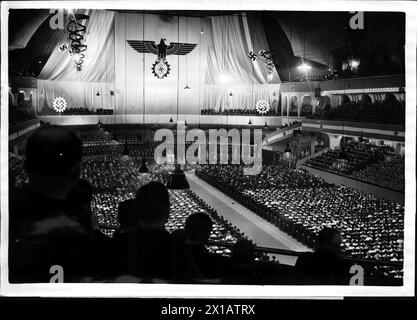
[[366, 162], [386, 173], [237, 112], [77, 111], [95, 229], [301, 204], [383, 112]]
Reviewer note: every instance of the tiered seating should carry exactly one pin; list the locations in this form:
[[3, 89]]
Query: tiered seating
[[16, 169], [306, 110], [104, 144], [359, 155], [386, 112], [116, 179], [236, 112], [313, 77], [389, 174], [104, 147], [78, 111], [20, 114], [301, 205]]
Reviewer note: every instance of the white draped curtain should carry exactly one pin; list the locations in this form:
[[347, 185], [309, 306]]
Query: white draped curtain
[[59, 77], [216, 74], [232, 79]]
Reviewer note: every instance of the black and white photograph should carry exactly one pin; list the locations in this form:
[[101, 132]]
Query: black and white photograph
[[222, 150]]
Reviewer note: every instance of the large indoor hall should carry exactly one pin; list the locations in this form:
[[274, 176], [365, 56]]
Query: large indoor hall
[[206, 147]]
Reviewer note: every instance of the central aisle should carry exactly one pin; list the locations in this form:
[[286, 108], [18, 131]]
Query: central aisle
[[262, 232]]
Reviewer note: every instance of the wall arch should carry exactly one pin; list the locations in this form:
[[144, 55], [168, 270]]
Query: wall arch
[[344, 99], [366, 99], [284, 109], [306, 106], [293, 106], [389, 97], [11, 99]]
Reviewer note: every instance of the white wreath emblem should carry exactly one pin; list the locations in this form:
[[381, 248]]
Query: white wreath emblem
[[59, 104], [262, 106]]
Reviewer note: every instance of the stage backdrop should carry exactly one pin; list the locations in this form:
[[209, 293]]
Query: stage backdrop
[[217, 73]]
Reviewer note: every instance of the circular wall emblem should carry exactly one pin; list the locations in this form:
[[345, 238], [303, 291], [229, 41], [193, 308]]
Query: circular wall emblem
[[59, 104], [160, 68], [262, 106]]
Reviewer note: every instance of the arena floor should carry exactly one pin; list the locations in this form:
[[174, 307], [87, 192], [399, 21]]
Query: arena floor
[[262, 232]]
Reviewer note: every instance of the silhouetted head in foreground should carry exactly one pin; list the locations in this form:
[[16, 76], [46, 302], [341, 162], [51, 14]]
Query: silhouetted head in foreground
[[243, 251], [152, 200], [128, 215], [53, 157], [79, 199], [330, 239], [198, 227]]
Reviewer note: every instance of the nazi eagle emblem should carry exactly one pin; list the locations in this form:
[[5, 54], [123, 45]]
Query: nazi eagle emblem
[[161, 67]]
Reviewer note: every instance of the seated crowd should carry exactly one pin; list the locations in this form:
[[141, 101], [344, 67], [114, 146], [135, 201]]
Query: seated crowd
[[301, 204], [19, 114], [382, 112], [236, 112], [156, 235], [389, 174], [78, 111], [152, 234], [116, 144], [313, 77], [364, 162]]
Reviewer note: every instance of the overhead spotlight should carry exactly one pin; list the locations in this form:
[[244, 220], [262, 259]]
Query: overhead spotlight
[[354, 63], [250, 121], [111, 92], [223, 78], [171, 120], [266, 126], [304, 67], [202, 30], [187, 87], [98, 94], [231, 94]]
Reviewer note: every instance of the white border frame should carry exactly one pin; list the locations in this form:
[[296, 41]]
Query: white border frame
[[222, 291]]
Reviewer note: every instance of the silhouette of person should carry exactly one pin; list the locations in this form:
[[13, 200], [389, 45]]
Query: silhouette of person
[[146, 249], [43, 230], [324, 265]]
